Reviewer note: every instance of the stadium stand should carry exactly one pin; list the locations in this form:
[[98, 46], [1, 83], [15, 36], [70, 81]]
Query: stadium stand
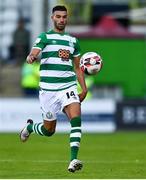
[[9, 15]]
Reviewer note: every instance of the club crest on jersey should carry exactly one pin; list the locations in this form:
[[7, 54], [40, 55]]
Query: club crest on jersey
[[54, 42], [49, 115]]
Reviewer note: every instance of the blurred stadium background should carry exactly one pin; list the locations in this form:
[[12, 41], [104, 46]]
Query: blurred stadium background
[[116, 29]]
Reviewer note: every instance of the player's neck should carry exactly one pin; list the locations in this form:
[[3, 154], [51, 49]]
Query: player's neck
[[58, 31]]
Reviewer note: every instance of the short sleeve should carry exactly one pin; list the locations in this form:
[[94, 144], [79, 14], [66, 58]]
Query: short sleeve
[[40, 42], [77, 49]]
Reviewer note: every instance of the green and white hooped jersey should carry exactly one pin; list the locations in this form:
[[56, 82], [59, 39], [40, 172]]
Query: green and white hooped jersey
[[56, 69]]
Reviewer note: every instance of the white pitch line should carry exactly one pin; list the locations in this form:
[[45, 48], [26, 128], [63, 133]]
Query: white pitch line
[[35, 161], [63, 161]]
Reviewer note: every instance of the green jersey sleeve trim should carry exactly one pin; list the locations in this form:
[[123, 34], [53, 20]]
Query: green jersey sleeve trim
[[77, 55], [36, 48], [77, 49], [40, 41]]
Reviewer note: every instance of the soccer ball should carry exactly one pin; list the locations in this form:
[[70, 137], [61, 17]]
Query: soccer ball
[[91, 63]]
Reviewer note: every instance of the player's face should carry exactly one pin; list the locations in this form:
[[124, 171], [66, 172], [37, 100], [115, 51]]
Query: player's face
[[60, 20]]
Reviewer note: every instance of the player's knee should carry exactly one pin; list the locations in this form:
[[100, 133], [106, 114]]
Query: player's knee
[[50, 133], [49, 127]]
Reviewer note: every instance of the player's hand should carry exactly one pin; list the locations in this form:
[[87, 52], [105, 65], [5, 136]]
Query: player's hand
[[30, 59], [82, 95]]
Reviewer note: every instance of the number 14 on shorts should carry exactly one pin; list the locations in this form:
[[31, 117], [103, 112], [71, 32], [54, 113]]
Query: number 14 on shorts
[[70, 94]]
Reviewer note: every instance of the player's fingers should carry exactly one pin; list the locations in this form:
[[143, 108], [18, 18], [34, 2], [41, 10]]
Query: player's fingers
[[81, 97], [30, 59]]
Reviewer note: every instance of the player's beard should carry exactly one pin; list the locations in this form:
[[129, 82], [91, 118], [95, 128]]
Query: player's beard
[[60, 27]]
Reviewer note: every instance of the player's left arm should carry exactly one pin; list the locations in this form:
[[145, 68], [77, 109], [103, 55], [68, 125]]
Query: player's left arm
[[80, 78]]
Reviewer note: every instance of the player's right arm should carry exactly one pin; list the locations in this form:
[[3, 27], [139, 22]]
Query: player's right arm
[[33, 55], [39, 45]]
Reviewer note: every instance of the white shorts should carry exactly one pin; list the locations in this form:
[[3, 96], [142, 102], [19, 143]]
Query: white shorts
[[52, 102]]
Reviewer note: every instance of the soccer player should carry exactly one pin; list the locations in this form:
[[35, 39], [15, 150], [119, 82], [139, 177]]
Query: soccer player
[[59, 70]]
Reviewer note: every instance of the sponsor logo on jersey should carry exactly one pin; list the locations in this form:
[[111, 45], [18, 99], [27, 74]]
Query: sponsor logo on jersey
[[37, 41]]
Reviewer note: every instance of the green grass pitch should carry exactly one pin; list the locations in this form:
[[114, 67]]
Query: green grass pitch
[[118, 155]]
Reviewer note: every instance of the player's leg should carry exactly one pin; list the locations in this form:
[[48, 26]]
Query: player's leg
[[47, 127], [44, 129], [74, 114]]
